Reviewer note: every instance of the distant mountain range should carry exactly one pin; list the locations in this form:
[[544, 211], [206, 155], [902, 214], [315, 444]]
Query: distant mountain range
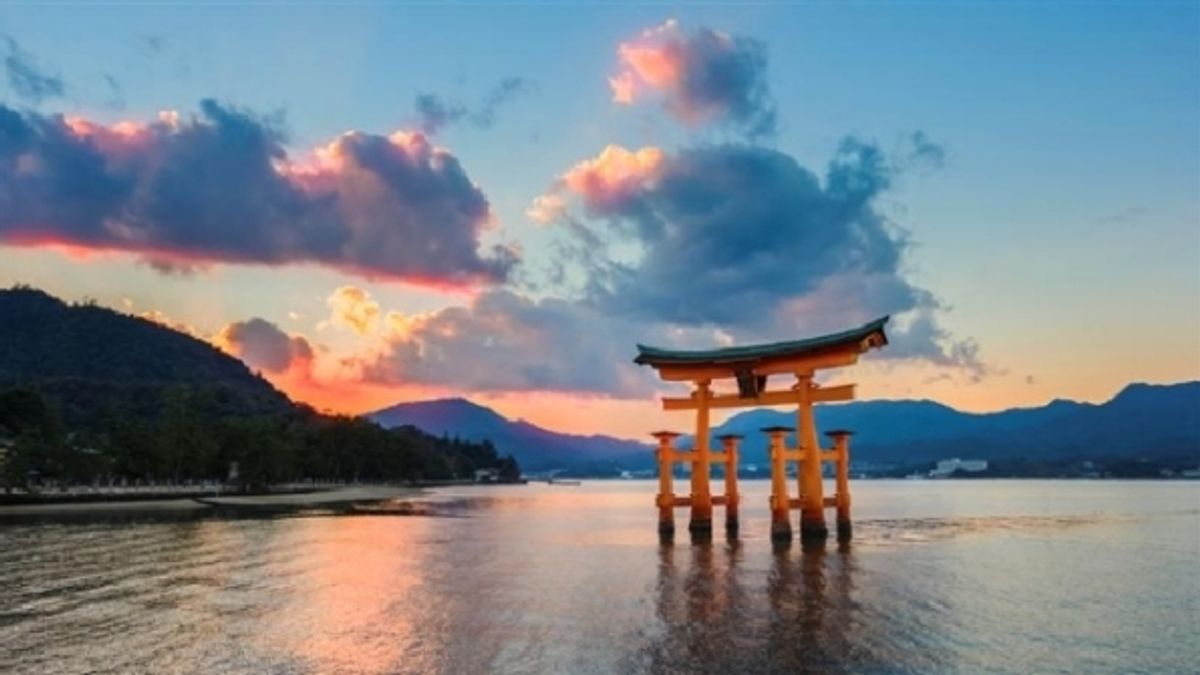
[[536, 449], [1142, 420]]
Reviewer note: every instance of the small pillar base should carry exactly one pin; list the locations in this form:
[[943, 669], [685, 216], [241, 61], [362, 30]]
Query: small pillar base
[[731, 525], [699, 525], [813, 530], [666, 528], [781, 531], [845, 531]]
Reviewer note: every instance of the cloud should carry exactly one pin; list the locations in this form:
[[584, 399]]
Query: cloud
[[703, 76], [435, 113], [745, 239], [151, 43], [922, 151], [220, 186], [263, 346], [116, 98], [159, 317], [504, 341], [612, 180], [25, 78], [354, 308]]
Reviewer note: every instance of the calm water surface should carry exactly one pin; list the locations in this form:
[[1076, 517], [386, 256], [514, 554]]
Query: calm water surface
[[955, 576]]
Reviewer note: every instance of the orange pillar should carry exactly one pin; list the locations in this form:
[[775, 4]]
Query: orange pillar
[[730, 442], [841, 446], [701, 492], [666, 492], [812, 496], [781, 526]]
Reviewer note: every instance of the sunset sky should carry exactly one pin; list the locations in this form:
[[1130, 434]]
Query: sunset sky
[[371, 204]]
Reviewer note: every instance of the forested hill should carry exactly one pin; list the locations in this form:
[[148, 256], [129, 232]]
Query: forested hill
[[88, 394], [90, 358]]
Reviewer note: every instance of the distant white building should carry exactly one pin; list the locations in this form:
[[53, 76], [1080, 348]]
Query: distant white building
[[487, 475], [948, 466]]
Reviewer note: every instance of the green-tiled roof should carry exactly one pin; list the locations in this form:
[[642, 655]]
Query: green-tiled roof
[[656, 356]]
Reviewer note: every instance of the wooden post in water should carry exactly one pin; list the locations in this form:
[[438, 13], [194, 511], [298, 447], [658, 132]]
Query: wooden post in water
[[730, 443], [812, 492], [701, 522], [666, 490], [781, 526], [841, 448], [750, 367]]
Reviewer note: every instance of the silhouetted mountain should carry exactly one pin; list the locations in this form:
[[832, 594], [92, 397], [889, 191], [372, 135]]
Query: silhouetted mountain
[[537, 449], [89, 358], [87, 394], [1142, 420]]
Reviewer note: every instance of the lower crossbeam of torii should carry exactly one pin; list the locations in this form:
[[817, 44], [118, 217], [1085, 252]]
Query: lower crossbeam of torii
[[750, 367]]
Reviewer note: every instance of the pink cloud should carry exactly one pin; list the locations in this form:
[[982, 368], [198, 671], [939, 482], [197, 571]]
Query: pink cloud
[[263, 346], [703, 76], [221, 187]]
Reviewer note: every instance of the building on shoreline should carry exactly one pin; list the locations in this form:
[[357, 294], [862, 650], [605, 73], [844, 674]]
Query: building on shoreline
[[947, 467]]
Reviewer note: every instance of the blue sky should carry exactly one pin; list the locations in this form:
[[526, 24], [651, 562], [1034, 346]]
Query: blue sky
[[1061, 230]]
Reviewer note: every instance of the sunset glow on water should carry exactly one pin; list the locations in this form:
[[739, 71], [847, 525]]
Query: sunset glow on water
[[1007, 576]]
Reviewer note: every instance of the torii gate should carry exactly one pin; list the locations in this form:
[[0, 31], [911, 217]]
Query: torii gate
[[751, 366]]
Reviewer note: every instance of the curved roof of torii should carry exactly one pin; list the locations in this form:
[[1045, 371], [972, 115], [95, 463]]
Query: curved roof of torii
[[731, 356]]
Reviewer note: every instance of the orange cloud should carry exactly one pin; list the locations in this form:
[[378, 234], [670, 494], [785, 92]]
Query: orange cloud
[[354, 308], [160, 318], [613, 176]]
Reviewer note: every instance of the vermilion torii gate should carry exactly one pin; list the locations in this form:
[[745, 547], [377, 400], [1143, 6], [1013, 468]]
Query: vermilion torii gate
[[750, 367]]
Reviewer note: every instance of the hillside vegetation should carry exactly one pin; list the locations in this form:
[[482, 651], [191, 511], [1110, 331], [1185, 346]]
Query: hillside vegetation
[[88, 394]]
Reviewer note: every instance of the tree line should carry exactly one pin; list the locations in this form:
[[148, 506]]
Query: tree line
[[190, 437]]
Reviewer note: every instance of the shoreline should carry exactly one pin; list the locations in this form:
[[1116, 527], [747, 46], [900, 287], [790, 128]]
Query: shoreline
[[207, 502]]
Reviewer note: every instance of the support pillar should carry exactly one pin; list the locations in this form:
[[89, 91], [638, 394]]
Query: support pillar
[[781, 526], [701, 491], [812, 492], [841, 447], [730, 443], [666, 491]]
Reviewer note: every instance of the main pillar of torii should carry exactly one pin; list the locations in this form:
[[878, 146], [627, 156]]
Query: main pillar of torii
[[750, 367]]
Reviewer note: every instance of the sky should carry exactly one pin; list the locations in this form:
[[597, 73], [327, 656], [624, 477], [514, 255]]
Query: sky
[[371, 203]]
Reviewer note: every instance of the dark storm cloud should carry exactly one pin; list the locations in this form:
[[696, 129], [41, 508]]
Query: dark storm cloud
[[263, 346], [220, 187], [704, 76], [26, 79]]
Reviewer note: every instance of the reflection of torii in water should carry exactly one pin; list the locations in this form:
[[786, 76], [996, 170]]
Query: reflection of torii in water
[[714, 621], [750, 367]]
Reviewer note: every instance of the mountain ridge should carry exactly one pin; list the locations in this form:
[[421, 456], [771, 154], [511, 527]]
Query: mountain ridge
[[1141, 418], [535, 447]]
